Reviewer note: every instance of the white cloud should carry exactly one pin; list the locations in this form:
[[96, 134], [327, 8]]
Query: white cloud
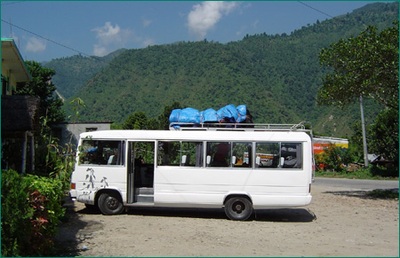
[[99, 50], [148, 42], [110, 37], [35, 45], [146, 22], [204, 16]]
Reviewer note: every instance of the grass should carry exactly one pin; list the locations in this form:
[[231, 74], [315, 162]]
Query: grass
[[372, 172]]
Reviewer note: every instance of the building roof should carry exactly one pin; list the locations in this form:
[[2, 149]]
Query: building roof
[[11, 59]]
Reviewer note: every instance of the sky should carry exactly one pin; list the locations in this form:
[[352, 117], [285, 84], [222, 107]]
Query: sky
[[45, 30]]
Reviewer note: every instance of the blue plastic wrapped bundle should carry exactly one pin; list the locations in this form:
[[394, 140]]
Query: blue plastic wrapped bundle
[[228, 113], [174, 116], [242, 111], [209, 116], [189, 115]]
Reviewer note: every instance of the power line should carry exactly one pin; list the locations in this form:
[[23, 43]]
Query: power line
[[10, 3], [315, 9], [47, 39]]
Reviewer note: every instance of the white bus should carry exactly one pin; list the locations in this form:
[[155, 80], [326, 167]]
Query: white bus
[[237, 169]]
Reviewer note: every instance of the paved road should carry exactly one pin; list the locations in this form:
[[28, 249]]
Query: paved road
[[356, 184]]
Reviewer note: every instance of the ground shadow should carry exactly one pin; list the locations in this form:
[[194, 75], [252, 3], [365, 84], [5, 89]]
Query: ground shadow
[[285, 215], [370, 194], [68, 239], [268, 215]]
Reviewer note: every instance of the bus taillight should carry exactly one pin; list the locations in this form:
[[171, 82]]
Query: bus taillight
[[72, 186]]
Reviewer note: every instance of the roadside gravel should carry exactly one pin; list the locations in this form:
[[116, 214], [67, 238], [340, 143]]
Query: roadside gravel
[[337, 223]]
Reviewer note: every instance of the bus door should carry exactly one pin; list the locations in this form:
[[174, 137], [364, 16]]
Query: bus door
[[140, 171]]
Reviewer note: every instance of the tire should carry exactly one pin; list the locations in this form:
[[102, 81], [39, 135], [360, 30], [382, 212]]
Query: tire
[[110, 204], [238, 208]]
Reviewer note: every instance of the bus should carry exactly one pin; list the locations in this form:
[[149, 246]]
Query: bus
[[237, 169]]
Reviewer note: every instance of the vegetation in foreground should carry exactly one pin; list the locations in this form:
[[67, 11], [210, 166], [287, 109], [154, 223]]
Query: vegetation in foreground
[[361, 173]]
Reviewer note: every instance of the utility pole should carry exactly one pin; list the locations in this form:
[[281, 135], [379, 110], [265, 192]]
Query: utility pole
[[364, 134]]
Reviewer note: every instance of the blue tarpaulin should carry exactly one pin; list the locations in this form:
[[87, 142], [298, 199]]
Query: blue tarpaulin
[[186, 115], [209, 116], [226, 114]]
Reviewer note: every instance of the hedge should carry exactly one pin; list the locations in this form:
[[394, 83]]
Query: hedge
[[31, 209]]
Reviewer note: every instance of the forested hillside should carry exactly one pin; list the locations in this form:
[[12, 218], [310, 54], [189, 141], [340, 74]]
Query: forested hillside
[[276, 76], [73, 72]]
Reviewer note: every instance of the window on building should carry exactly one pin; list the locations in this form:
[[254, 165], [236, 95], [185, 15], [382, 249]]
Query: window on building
[[91, 129]]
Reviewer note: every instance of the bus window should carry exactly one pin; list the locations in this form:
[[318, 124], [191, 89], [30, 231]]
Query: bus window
[[267, 155], [241, 154], [219, 154], [101, 153], [169, 153], [192, 154], [180, 153], [292, 155], [279, 155]]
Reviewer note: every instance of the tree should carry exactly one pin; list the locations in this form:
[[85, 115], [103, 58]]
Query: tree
[[50, 112], [366, 65], [384, 143], [41, 86], [163, 119], [136, 121]]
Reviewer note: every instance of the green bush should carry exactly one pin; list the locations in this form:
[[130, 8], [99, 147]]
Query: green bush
[[333, 159], [31, 212]]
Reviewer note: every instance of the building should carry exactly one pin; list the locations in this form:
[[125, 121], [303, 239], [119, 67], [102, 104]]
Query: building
[[321, 143], [19, 114], [68, 133]]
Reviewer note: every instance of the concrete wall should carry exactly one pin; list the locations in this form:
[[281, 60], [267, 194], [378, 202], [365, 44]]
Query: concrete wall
[[69, 132]]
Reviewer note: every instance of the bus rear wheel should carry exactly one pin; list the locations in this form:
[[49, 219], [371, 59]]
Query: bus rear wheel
[[238, 208], [109, 203]]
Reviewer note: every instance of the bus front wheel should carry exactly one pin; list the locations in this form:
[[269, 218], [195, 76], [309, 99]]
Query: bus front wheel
[[238, 208], [109, 203]]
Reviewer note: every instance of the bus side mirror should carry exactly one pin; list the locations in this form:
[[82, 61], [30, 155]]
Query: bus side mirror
[[233, 160], [183, 161], [281, 162], [208, 160], [258, 161]]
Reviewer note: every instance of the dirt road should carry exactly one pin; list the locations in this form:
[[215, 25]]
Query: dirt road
[[337, 223]]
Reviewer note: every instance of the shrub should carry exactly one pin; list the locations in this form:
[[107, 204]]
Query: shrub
[[333, 158], [31, 211]]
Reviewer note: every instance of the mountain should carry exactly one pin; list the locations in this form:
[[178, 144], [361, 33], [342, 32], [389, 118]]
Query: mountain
[[73, 72], [276, 76]]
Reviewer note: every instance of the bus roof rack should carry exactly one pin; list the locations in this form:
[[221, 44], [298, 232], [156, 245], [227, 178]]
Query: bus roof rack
[[179, 126]]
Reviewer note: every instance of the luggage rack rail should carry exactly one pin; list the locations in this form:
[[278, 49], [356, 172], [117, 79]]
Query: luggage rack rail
[[179, 126]]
